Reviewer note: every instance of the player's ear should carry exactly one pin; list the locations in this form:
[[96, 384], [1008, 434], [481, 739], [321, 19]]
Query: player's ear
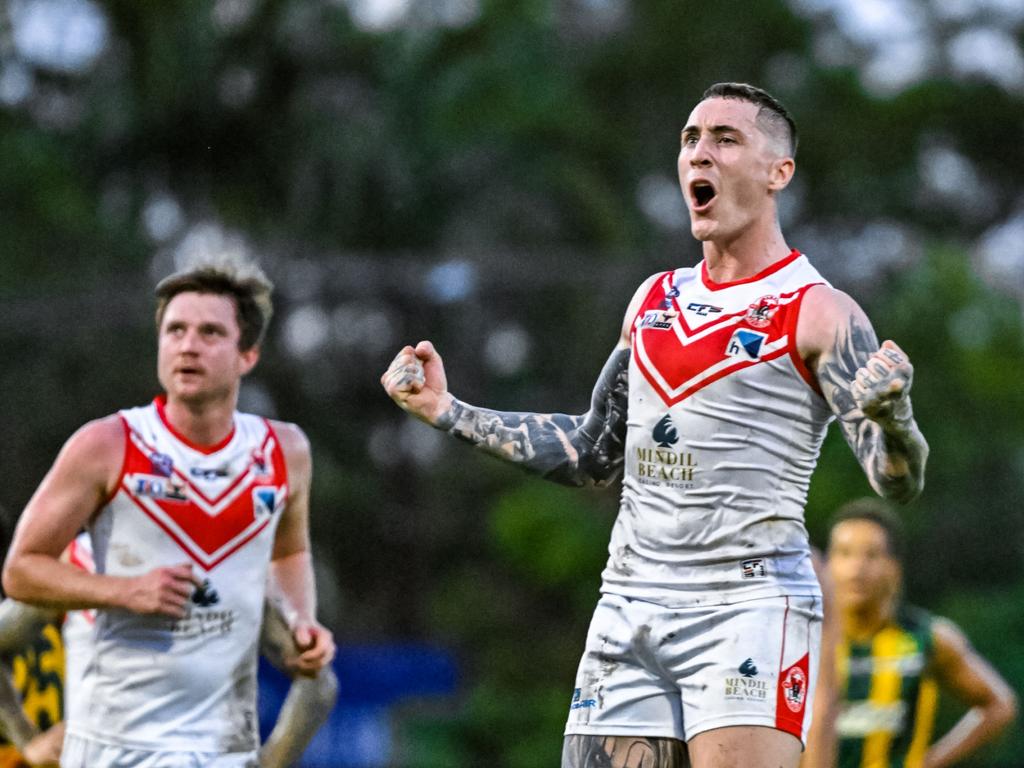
[[250, 357], [781, 173]]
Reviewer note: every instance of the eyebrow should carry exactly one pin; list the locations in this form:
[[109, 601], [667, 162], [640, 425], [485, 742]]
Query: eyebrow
[[716, 129]]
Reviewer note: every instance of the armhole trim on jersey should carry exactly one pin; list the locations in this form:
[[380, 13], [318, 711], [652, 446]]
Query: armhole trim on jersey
[[647, 299], [284, 458], [124, 461], [794, 353]]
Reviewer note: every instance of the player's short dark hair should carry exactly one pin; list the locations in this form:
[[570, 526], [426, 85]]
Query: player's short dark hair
[[878, 512], [773, 118], [243, 281]]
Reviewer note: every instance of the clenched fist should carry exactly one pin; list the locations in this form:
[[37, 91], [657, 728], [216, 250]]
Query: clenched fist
[[881, 387], [416, 381]]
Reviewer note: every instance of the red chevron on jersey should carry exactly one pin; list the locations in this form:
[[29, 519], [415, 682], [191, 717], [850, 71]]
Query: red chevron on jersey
[[679, 360], [209, 529]]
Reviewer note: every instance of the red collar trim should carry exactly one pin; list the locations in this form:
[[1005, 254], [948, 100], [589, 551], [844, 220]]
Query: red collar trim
[[770, 269], [160, 401]]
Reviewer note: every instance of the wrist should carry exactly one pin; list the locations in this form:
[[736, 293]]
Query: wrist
[[448, 415], [900, 419]]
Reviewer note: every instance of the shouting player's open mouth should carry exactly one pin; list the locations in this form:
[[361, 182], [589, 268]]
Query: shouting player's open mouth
[[702, 193]]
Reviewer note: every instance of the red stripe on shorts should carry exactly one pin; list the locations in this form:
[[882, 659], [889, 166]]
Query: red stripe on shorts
[[791, 697]]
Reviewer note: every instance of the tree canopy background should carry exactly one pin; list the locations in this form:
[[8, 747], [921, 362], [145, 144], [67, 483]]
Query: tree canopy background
[[498, 176]]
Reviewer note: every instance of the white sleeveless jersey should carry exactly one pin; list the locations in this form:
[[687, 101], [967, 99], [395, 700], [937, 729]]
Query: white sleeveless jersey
[[162, 684], [77, 633], [723, 431]]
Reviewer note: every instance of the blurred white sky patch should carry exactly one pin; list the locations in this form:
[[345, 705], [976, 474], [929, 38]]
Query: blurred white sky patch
[[378, 15], [989, 54], [229, 15], [950, 179], [858, 255], [507, 349], [61, 35], [236, 87], [896, 44], [162, 217], [1000, 254], [897, 65], [208, 241], [386, 15], [362, 327], [1009, 11], [16, 83], [661, 200], [306, 331], [451, 281]]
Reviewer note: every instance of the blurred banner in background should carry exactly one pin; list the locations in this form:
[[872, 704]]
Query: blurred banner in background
[[498, 176]]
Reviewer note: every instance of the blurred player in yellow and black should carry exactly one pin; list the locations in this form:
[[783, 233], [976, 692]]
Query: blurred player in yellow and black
[[31, 687], [892, 659]]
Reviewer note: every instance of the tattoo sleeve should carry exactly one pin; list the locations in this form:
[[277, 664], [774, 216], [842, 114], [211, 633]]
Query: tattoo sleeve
[[890, 448], [572, 450], [593, 751]]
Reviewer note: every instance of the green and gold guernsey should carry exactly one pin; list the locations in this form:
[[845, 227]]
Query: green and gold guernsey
[[888, 695]]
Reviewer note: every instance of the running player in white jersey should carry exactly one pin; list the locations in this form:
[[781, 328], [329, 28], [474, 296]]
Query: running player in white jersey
[[305, 709], [195, 512], [712, 407]]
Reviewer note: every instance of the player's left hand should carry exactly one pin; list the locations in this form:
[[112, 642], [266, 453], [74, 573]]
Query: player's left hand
[[315, 648], [882, 386]]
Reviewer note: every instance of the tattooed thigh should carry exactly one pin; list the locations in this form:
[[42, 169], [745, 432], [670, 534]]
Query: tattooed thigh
[[589, 751]]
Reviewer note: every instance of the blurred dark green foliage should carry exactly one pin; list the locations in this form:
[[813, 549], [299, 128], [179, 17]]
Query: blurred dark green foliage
[[516, 143]]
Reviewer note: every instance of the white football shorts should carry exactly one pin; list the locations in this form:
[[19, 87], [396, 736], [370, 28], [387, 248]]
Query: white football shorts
[[675, 672], [80, 752]]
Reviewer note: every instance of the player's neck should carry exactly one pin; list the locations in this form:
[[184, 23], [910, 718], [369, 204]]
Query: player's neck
[[202, 422], [747, 254], [863, 623]]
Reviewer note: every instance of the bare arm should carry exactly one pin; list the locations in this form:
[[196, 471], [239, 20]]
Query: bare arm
[[969, 677], [309, 700], [78, 484], [573, 450], [292, 588], [587, 449], [868, 389]]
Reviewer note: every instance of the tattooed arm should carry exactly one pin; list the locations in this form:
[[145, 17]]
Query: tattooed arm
[[574, 450], [868, 389]]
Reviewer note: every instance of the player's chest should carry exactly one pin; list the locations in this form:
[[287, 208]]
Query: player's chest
[[683, 342], [208, 505]]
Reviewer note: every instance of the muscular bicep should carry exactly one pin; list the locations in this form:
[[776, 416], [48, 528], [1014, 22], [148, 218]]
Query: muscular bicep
[[845, 342]]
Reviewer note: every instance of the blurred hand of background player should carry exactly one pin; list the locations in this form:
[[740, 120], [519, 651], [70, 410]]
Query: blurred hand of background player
[[44, 749], [314, 648], [881, 388], [163, 591], [416, 381]]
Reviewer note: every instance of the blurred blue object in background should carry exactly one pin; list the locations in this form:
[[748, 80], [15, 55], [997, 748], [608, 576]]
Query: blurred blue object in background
[[371, 680]]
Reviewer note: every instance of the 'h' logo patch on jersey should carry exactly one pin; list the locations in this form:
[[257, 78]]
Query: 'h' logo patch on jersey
[[746, 344]]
